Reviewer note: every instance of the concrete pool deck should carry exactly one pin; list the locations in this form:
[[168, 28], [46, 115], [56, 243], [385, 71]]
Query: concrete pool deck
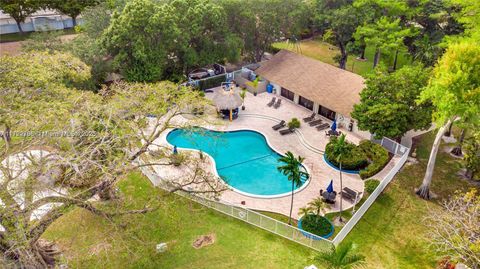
[[307, 142]]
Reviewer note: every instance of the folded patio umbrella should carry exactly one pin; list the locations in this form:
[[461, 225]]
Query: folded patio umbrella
[[334, 125], [330, 187]]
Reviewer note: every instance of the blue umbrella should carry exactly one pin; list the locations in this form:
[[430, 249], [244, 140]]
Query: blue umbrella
[[330, 187], [334, 125], [175, 151]]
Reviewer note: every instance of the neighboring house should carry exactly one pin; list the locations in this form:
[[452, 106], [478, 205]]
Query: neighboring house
[[41, 20], [317, 86]]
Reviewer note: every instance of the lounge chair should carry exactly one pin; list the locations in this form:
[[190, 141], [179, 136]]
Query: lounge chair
[[310, 118], [315, 122], [279, 125], [323, 127], [287, 131], [272, 101], [278, 103], [349, 194]]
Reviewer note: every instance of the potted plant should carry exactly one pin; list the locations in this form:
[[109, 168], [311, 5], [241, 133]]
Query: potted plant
[[243, 94], [255, 85], [294, 123]]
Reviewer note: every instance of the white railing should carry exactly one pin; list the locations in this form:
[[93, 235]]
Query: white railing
[[383, 184], [252, 217]]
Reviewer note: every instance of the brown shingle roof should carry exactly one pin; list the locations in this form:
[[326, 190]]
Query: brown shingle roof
[[322, 83]]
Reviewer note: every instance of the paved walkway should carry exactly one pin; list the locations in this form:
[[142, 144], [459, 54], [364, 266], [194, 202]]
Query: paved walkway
[[308, 142]]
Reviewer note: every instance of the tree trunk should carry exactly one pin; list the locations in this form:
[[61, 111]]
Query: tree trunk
[[457, 150], [424, 190], [395, 61], [40, 255], [449, 131], [376, 59], [20, 30], [343, 57], [291, 205], [341, 194], [362, 56]]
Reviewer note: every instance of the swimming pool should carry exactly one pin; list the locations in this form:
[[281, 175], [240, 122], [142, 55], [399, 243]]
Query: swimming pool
[[243, 159]]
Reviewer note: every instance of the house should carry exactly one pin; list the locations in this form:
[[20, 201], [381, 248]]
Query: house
[[322, 88]]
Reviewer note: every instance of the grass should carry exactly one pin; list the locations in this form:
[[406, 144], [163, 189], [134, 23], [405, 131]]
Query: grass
[[391, 233], [26, 35], [89, 241], [322, 51]]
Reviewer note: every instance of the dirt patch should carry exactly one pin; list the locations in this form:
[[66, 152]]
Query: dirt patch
[[97, 249], [204, 240]]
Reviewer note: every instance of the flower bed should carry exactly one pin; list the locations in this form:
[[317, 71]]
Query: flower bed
[[317, 225]]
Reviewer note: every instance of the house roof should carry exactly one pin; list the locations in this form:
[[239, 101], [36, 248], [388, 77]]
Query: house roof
[[331, 87]]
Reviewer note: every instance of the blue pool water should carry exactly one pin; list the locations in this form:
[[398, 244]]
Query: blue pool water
[[243, 159]]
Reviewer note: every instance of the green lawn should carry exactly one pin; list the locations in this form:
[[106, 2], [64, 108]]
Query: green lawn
[[391, 233], [322, 51], [20, 37], [91, 242]]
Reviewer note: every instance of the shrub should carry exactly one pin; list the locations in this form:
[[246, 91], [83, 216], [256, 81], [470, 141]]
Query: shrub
[[378, 157], [371, 185], [356, 161], [178, 159], [294, 123], [317, 225]]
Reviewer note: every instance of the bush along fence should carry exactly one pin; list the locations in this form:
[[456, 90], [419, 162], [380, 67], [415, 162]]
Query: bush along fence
[[400, 151], [280, 228]]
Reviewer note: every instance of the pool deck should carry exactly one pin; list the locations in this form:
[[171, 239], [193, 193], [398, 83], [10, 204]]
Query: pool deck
[[306, 142]]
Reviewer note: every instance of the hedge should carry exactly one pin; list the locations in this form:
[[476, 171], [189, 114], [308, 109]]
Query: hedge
[[211, 82], [357, 161], [368, 157], [317, 225], [371, 185], [378, 157]]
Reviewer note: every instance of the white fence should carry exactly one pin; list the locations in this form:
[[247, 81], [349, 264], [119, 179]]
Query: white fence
[[282, 229], [395, 148], [252, 217]]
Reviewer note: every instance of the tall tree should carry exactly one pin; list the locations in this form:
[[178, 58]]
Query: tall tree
[[453, 90], [342, 152], [71, 8], [456, 228], [338, 20], [77, 146], [19, 10], [292, 168], [388, 104], [386, 35]]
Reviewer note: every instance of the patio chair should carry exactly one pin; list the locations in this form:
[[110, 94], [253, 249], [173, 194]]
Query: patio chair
[[287, 131], [309, 118], [279, 125], [315, 122], [278, 103], [272, 101], [323, 127]]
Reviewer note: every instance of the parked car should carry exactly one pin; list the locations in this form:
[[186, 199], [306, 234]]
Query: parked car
[[200, 73]]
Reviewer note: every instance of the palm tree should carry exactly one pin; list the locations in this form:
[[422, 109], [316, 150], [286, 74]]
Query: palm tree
[[317, 205], [304, 211], [292, 169], [341, 151], [341, 257]]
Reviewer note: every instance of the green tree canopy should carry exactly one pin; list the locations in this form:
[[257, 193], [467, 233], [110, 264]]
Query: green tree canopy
[[71, 8], [388, 105], [19, 10]]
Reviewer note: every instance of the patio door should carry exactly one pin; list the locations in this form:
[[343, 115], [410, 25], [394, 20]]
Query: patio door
[[287, 94], [327, 113], [308, 104]]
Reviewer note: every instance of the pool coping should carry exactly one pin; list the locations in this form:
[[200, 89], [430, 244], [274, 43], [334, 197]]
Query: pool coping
[[214, 166]]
